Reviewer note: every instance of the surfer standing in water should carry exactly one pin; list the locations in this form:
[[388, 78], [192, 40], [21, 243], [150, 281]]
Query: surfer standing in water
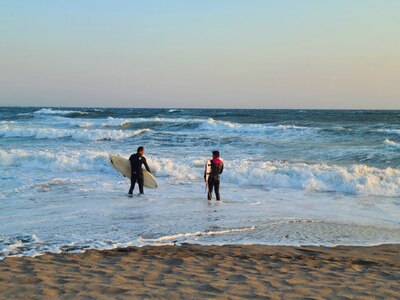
[[217, 166], [137, 160]]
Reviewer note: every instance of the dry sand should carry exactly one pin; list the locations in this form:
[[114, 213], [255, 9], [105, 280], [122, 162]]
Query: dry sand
[[194, 272]]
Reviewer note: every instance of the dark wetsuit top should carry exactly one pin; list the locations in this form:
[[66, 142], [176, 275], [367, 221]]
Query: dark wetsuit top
[[137, 172], [136, 165]]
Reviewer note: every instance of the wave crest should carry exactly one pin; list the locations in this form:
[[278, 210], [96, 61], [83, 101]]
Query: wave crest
[[353, 179], [81, 135], [50, 111], [391, 143]]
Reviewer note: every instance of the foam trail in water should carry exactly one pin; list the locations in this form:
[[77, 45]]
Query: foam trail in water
[[190, 234]]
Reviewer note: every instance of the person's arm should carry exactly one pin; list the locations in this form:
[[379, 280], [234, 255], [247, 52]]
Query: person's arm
[[222, 168], [146, 165]]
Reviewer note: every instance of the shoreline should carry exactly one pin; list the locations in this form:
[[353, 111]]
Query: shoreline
[[192, 271]]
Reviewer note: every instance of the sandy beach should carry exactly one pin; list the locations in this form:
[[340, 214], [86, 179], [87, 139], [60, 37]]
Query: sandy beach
[[194, 271]]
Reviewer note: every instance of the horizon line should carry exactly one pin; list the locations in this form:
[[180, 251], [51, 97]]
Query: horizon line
[[198, 108]]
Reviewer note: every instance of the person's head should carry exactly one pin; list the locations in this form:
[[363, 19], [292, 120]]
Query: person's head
[[140, 150], [215, 154]]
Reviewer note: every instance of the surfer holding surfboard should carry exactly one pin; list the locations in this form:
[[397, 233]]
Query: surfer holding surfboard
[[137, 160], [213, 170]]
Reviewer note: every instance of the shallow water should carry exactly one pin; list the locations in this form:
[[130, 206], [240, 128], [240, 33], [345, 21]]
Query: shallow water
[[291, 177]]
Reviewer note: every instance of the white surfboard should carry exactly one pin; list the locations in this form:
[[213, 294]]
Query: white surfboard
[[207, 169], [123, 166]]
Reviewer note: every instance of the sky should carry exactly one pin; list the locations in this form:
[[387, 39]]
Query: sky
[[201, 53]]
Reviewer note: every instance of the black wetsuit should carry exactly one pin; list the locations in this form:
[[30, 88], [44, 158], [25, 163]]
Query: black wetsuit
[[137, 172], [217, 167]]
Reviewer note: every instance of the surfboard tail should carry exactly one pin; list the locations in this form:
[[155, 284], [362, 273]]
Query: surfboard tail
[[207, 172]]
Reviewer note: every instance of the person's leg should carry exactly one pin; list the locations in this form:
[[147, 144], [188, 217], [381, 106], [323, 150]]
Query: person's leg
[[210, 188], [141, 182], [133, 181], [216, 186]]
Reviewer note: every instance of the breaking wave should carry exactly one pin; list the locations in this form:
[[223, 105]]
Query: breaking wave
[[353, 179], [390, 131], [391, 143], [61, 161], [50, 111], [81, 135]]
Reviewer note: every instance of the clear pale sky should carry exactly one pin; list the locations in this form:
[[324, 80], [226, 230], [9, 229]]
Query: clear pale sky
[[216, 53]]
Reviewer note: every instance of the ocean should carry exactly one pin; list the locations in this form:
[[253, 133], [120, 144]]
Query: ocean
[[291, 177]]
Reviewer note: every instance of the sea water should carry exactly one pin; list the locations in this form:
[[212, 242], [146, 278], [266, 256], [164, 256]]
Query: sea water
[[291, 177]]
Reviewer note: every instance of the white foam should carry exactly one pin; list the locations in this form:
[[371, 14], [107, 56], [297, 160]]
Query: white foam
[[119, 122], [353, 179], [209, 124], [191, 234], [391, 143], [17, 246], [76, 134], [61, 160], [391, 131], [86, 124], [12, 248], [171, 167], [49, 111], [218, 126], [45, 186]]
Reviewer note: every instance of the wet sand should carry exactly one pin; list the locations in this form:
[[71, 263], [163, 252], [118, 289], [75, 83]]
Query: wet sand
[[194, 272]]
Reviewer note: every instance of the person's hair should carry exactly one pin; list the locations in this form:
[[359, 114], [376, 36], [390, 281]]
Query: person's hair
[[140, 149], [216, 153]]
